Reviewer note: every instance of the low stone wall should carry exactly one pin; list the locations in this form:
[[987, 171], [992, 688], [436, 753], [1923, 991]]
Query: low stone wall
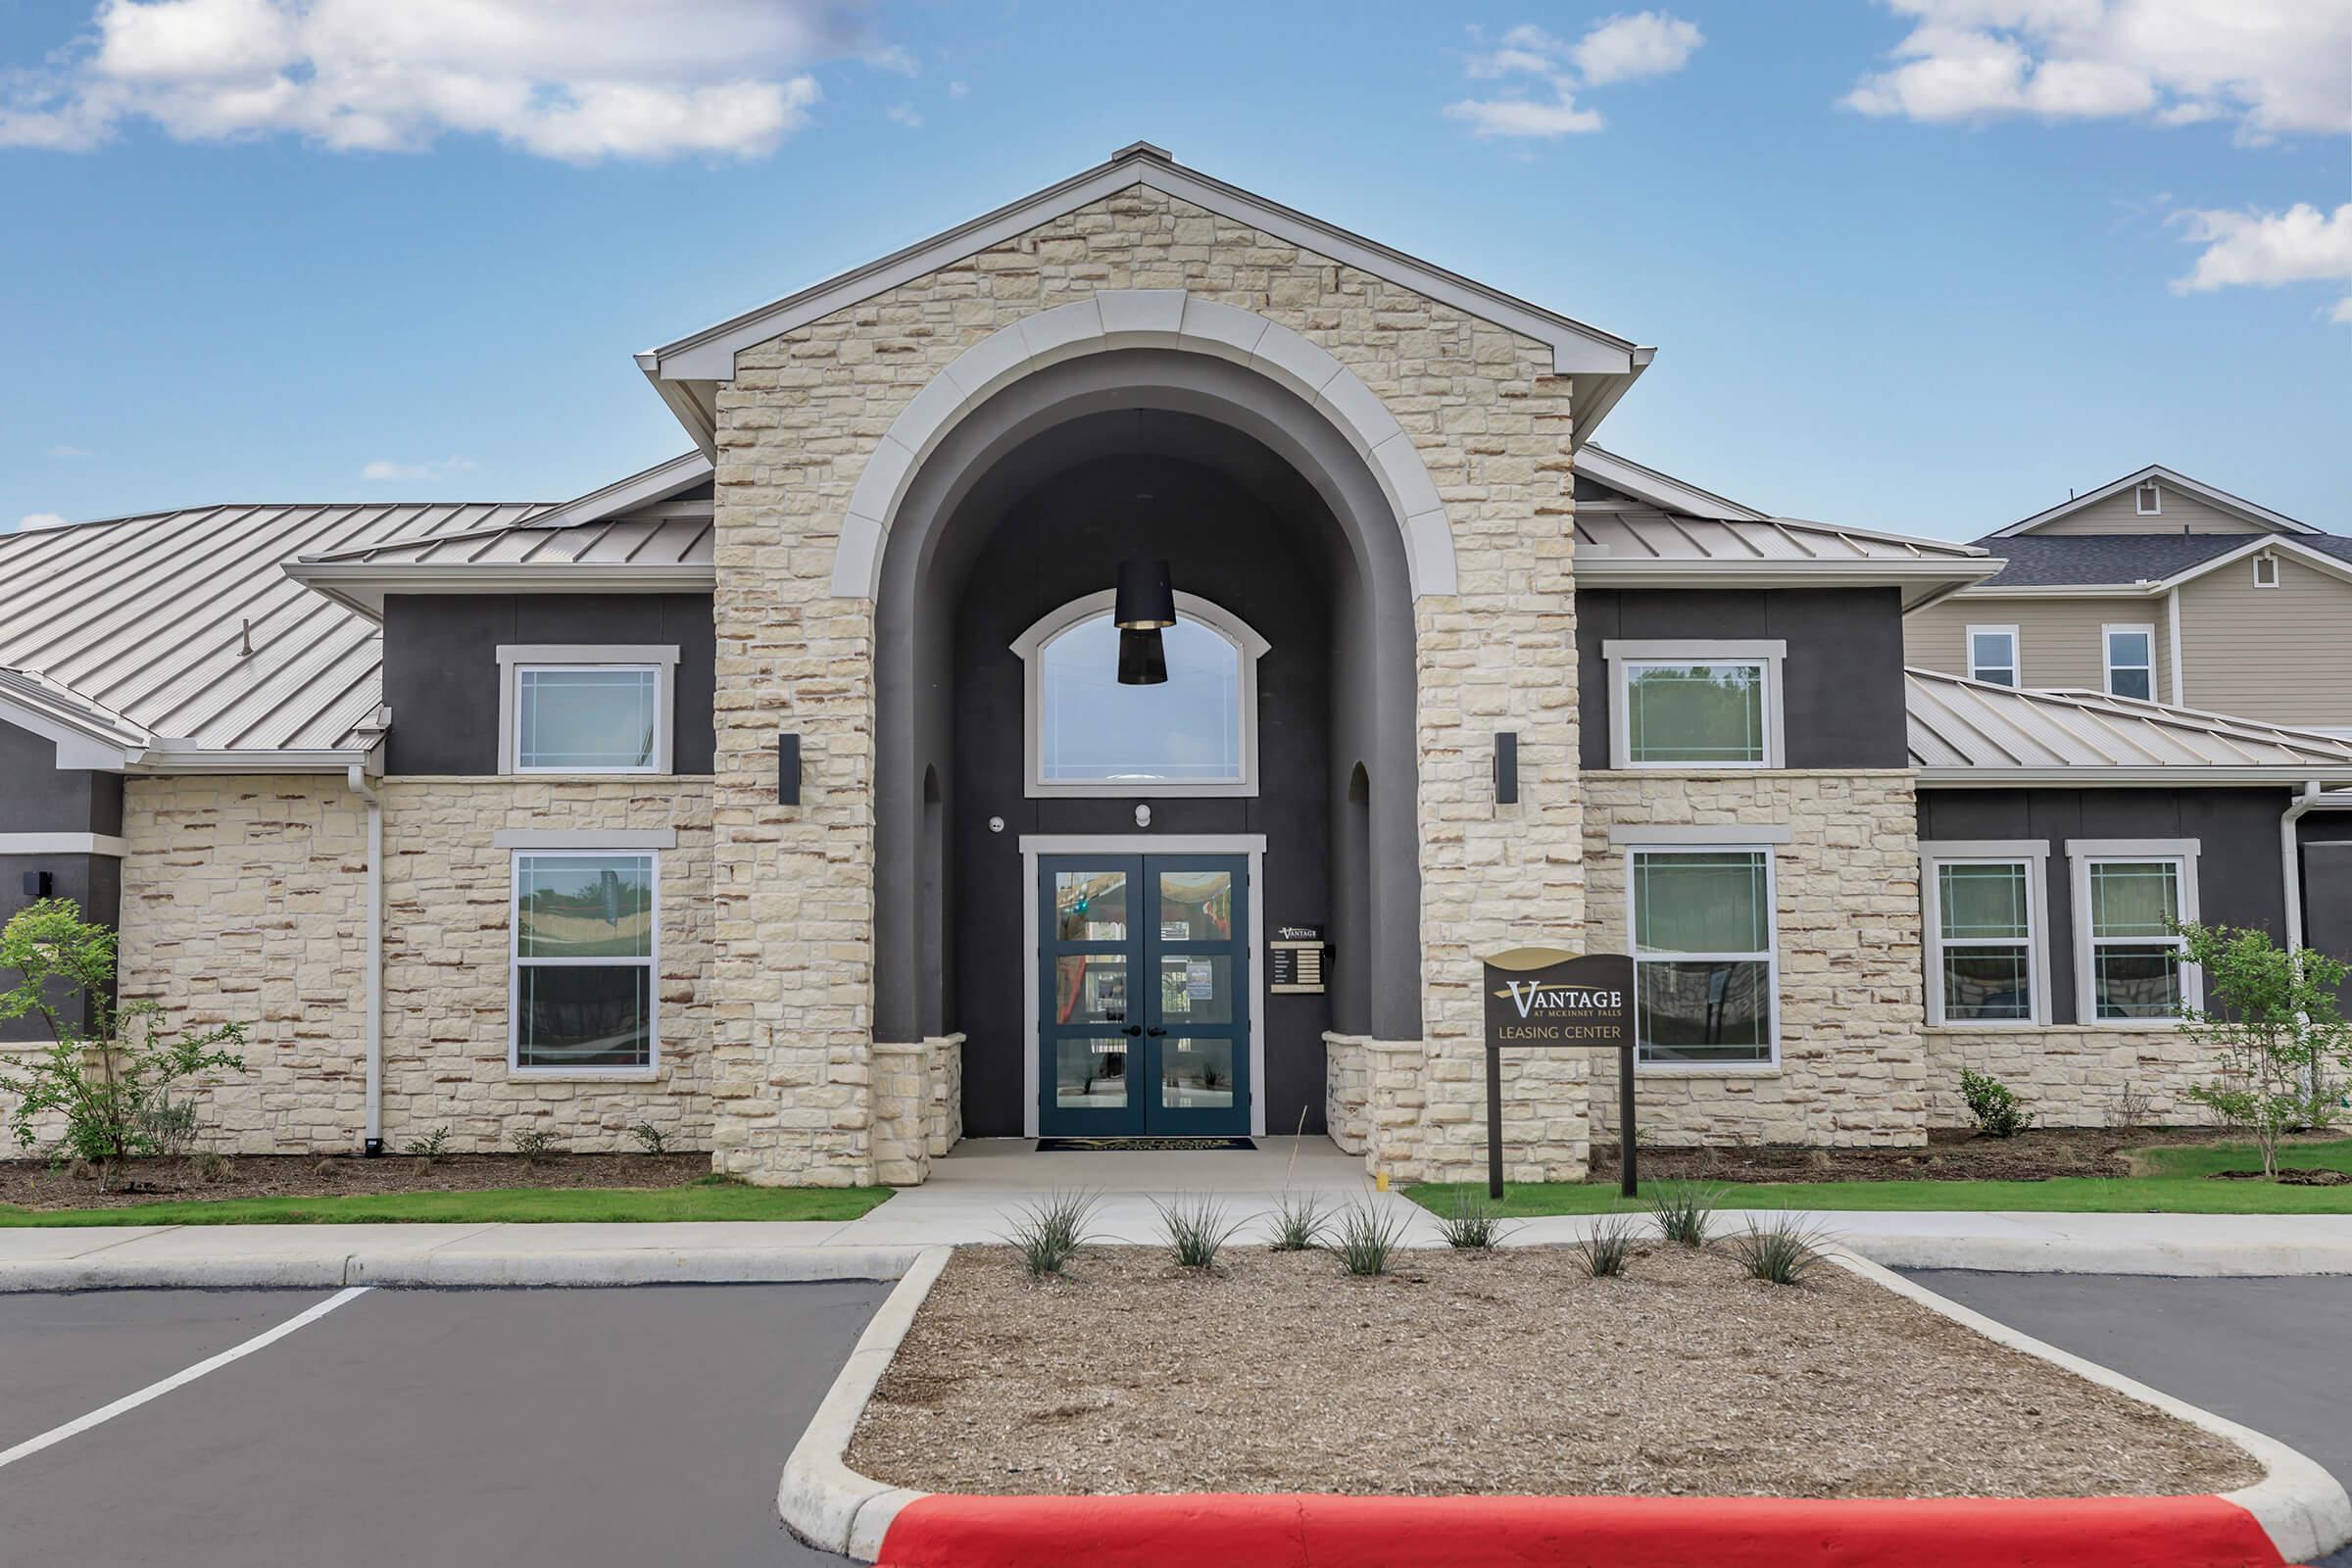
[[918, 1107], [1347, 1091], [1853, 1068], [2071, 1075]]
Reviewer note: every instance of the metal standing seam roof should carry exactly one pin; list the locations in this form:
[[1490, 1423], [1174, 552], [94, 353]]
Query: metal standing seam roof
[[676, 541], [149, 617], [1640, 533], [1986, 731]]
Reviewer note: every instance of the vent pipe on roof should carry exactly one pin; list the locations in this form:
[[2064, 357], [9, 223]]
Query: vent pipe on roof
[[244, 637]]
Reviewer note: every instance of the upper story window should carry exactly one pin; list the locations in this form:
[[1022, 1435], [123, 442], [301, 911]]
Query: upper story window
[[585, 708], [1992, 655], [2150, 500], [2131, 661], [2131, 898], [1695, 705], [2266, 571], [1193, 734]]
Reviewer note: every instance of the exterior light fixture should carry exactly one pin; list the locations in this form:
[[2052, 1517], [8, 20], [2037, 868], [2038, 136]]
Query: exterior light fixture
[[1146, 601], [1142, 660]]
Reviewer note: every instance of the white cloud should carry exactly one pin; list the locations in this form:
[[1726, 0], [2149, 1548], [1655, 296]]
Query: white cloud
[[582, 81], [1544, 71], [905, 115], [384, 470], [2274, 66], [2264, 250], [69, 451], [958, 89], [40, 519]]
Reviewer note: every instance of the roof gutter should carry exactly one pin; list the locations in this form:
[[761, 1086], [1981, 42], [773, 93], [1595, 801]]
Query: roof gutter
[[2176, 776], [162, 758], [373, 962]]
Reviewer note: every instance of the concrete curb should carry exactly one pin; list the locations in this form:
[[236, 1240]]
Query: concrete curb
[[2295, 1513], [2303, 1509], [584, 1268]]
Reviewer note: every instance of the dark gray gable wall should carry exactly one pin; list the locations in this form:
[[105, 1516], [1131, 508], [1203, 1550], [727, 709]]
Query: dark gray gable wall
[[441, 668], [36, 796]]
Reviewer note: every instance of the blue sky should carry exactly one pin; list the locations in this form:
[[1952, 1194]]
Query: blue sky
[[1909, 263]]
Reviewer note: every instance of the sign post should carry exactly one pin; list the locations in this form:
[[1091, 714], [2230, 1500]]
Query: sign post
[[1550, 1000]]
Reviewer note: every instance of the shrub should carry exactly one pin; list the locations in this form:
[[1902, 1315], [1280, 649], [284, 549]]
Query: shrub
[[1299, 1223], [1783, 1252], [431, 1146], [2276, 1028], [1048, 1234], [1472, 1227], [534, 1144], [2132, 1109], [1198, 1229], [1606, 1247], [649, 1137], [1685, 1211], [108, 1068], [1998, 1110], [1364, 1239]]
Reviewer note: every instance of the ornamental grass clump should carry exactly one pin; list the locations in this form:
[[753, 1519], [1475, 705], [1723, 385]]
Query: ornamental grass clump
[[1364, 1239], [1786, 1252], [1606, 1247], [1299, 1223], [1472, 1227], [1049, 1234], [1198, 1229], [1684, 1212]]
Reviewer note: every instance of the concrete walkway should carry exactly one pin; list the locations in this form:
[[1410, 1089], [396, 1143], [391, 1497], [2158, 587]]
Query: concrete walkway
[[975, 1195]]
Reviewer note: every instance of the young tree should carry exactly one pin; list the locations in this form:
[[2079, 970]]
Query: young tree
[[108, 1069], [2273, 1020]]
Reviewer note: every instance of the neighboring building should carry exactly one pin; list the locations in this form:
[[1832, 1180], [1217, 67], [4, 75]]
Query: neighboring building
[[786, 796], [2157, 586]]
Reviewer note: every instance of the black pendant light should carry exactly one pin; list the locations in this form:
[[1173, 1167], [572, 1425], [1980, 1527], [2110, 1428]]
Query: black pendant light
[[1145, 600], [1142, 660]]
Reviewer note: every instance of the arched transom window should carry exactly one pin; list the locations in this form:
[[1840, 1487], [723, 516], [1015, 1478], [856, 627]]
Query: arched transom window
[[1193, 734]]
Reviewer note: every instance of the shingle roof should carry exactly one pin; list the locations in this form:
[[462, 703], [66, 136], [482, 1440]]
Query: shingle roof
[[2038, 561], [149, 617], [1978, 732]]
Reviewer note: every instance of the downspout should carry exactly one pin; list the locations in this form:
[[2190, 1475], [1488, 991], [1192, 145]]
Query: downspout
[[372, 1026], [2290, 863]]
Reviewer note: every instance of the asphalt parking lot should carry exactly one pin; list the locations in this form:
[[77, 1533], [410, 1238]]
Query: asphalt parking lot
[[583, 1427]]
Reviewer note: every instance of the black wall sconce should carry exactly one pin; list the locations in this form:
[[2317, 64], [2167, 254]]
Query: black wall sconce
[[1506, 767], [38, 884], [788, 768]]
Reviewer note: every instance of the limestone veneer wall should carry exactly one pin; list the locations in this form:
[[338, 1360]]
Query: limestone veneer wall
[[1854, 1067], [792, 1024], [2072, 1075], [918, 1107]]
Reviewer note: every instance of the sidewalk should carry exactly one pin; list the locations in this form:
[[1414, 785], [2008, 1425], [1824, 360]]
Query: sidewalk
[[976, 1195]]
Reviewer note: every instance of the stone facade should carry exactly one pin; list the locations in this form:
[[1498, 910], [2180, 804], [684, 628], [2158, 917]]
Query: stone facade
[[918, 1107], [2072, 1075], [1854, 1067], [792, 1042]]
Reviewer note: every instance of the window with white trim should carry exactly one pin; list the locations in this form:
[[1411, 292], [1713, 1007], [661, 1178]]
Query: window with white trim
[[2150, 500], [1193, 734], [2266, 571], [1695, 705], [1705, 975], [2130, 655], [1992, 655], [585, 708], [1983, 965], [2131, 898], [584, 950]]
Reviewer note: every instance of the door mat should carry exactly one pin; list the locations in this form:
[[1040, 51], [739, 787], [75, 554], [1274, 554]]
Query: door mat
[[1154, 1146]]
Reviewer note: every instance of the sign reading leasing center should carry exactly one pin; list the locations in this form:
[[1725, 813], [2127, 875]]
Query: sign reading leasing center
[[1549, 999]]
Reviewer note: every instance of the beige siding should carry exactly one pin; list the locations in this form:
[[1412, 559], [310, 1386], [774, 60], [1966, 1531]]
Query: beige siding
[[2061, 642], [2283, 654], [2120, 514]]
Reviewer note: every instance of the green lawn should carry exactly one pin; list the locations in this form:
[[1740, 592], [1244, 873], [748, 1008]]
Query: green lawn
[[709, 1198], [2175, 1181]]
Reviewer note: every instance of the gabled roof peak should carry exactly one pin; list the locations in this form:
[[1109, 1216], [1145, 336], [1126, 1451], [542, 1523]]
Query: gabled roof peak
[[2237, 506]]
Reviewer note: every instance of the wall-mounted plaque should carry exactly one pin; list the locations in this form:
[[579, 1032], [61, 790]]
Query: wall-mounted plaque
[[1295, 960]]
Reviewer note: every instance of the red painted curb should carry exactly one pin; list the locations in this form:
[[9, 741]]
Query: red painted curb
[[1294, 1531]]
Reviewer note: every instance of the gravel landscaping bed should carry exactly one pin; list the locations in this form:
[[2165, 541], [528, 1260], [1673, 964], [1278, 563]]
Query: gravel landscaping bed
[[1510, 1372], [34, 1183]]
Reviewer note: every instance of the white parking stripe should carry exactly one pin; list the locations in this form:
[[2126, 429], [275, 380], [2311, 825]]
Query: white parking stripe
[[132, 1401]]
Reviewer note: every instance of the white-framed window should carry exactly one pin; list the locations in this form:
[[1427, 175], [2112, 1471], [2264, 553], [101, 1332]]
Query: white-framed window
[[1992, 655], [2266, 571], [2130, 895], [1706, 974], [1195, 733], [2131, 657], [584, 952], [1987, 966], [1695, 705], [585, 708], [2149, 498]]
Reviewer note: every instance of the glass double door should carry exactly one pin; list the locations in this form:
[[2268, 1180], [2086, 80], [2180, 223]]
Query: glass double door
[[1143, 1022]]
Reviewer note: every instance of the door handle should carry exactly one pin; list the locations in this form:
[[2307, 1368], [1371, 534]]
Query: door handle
[[1135, 1029], [1155, 1030]]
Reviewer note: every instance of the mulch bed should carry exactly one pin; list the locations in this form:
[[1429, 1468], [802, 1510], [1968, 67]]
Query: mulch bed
[[32, 1184], [1950, 1155], [1511, 1372]]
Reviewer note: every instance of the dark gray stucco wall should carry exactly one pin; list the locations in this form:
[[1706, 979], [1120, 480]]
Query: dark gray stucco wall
[[2239, 880], [1843, 694], [441, 668], [2326, 840], [36, 796]]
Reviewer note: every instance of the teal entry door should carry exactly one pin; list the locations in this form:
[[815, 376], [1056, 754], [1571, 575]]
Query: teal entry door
[[1143, 1026]]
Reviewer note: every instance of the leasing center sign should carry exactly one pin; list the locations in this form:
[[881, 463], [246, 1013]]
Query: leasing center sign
[[1544, 997]]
